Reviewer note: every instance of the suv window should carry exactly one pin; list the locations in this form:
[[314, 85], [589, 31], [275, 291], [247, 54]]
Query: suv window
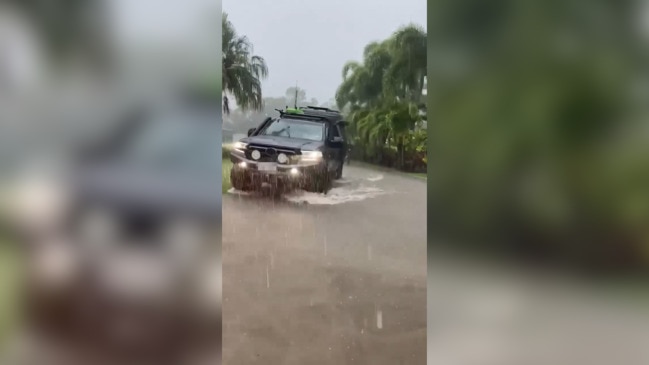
[[343, 132], [335, 132]]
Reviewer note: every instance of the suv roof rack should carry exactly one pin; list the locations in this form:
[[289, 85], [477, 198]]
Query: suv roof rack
[[321, 108], [317, 113]]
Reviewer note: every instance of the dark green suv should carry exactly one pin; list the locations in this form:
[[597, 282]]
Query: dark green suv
[[302, 148]]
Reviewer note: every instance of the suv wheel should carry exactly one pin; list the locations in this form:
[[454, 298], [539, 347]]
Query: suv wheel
[[320, 183], [339, 172], [239, 181]]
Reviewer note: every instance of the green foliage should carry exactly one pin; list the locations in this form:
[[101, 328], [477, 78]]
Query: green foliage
[[383, 96], [242, 71], [541, 142]]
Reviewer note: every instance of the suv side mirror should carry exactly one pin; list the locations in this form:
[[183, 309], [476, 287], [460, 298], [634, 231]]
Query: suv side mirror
[[337, 139], [251, 131]]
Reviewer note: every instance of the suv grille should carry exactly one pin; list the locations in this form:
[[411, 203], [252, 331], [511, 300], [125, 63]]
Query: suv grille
[[269, 154]]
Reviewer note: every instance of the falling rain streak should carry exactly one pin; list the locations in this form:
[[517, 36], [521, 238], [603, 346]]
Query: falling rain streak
[[267, 278], [379, 319]]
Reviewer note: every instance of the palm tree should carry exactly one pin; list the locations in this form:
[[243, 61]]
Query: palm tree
[[407, 72], [242, 71], [384, 92]]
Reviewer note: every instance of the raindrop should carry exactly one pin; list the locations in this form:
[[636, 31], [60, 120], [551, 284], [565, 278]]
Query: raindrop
[[379, 319], [267, 278]]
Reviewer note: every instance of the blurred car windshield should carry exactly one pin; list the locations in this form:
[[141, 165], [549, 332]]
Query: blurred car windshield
[[180, 141]]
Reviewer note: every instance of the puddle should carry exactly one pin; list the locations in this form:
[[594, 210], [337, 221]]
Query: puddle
[[375, 178]]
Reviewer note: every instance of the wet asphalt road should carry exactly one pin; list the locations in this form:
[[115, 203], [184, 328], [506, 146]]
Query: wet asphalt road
[[322, 283]]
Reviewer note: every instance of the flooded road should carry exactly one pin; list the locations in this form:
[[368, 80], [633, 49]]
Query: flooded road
[[335, 279]]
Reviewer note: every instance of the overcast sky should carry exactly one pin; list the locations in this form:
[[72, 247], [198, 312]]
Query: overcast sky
[[310, 41], [173, 22]]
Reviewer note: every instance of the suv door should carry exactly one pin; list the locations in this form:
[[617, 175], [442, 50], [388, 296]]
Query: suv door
[[346, 146], [336, 147]]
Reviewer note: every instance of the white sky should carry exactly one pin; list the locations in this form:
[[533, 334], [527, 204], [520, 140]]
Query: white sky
[[177, 21], [310, 41]]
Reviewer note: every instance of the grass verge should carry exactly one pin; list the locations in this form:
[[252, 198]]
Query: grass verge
[[225, 182], [9, 291]]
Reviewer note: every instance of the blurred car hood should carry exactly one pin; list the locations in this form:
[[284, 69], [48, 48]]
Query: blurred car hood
[[162, 191]]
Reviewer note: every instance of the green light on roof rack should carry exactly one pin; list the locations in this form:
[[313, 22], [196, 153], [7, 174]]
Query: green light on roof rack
[[294, 111]]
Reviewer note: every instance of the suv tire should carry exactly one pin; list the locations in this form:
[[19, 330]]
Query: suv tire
[[238, 181], [320, 183], [339, 172]]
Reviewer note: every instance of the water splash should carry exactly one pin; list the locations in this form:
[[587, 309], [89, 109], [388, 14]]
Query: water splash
[[335, 196], [237, 192]]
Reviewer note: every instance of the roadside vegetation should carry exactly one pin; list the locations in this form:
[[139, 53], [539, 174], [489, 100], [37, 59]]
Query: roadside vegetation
[[242, 71], [540, 139], [225, 170], [384, 100]]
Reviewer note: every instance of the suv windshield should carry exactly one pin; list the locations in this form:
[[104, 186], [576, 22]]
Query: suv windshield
[[293, 128]]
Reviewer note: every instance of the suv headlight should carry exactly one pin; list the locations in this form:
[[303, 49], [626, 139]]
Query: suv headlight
[[240, 146], [311, 155]]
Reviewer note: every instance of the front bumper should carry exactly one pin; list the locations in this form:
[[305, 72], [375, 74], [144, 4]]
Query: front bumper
[[296, 173]]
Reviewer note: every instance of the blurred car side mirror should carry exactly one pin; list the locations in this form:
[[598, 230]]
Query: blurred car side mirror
[[337, 139]]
